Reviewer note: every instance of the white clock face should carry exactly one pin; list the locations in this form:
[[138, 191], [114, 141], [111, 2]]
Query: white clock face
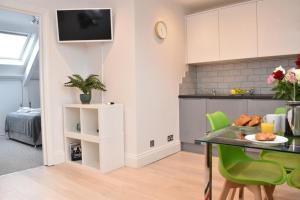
[[161, 30]]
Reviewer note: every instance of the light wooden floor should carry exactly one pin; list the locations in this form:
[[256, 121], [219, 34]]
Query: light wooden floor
[[178, 177]]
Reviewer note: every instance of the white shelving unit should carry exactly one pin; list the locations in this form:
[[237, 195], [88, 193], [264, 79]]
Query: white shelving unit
[[100, 131]]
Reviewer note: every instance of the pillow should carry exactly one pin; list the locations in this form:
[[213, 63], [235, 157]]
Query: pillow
[[35, 109], [24, 110]]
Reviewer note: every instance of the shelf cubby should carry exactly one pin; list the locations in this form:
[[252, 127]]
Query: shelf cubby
[[72, 119], [89, 120], [90, 156], [101, 134], [70, 141]]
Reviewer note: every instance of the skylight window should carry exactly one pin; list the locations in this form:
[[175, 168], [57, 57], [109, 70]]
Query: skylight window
[[12, 45]]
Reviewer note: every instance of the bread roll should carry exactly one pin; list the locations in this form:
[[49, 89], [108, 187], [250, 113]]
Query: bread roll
[[242, 120], [265, 137], [255, 120]]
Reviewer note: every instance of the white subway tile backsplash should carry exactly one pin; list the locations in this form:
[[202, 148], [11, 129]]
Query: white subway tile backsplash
[[254, 78], [189, 85], [240, 65], [292, 63], [187, 91], [264, 77], [266, 91], [254, 64], [260, 71], [247, 84], [283, 63], [246, 71], [238, 74], [228, 66], [224, 85], [212, 85]]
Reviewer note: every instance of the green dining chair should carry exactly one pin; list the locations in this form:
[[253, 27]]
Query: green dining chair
[[280, 110], [240, 170], [289, 161], [293, 179]]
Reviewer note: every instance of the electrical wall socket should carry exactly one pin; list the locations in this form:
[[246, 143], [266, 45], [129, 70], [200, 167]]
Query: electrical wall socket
[[151, 143], [170, 138]]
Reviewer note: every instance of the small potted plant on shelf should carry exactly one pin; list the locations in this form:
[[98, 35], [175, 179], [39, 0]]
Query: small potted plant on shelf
[[85, 85]]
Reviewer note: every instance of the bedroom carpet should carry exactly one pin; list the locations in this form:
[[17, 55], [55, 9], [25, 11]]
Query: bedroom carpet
[[15, 156]]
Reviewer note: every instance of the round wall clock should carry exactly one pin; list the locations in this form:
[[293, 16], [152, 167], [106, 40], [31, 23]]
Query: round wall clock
[[161, 30]]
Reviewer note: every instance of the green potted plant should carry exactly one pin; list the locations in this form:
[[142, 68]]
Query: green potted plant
[[85, 85]]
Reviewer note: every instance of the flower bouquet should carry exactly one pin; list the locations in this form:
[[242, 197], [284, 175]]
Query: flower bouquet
[[286, 84]]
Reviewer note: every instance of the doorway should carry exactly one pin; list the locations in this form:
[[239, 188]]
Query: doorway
[[20, 108]]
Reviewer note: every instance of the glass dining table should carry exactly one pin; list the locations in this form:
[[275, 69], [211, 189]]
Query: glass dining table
[[235, 136]]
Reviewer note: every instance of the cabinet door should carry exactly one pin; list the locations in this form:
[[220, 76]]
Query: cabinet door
[[233, 108], [192, 119], [278, 27], [263, 107], [202, 37], [238, 31]]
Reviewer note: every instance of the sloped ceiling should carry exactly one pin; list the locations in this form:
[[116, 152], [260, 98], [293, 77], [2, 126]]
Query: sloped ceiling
[[20, 23], [17, 22]]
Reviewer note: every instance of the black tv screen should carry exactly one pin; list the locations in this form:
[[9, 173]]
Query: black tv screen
[[84, 25]]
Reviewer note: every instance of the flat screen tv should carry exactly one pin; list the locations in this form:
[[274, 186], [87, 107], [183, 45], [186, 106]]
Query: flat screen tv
[[84, 25]]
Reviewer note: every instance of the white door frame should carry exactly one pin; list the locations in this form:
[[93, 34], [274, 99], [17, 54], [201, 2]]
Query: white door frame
[[43, 15]]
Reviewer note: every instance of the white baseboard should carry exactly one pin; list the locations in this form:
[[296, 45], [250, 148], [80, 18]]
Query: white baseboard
[[145, 158], [58, 158]]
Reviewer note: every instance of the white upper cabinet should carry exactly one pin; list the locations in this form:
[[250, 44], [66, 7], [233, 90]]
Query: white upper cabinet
[[278, 27], [247, 30], [238, 31], [202, 37]]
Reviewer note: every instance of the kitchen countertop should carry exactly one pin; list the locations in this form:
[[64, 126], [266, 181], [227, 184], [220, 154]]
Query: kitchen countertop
[[203, 96]]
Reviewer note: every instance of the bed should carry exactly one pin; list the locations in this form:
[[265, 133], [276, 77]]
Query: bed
[[24, 126]]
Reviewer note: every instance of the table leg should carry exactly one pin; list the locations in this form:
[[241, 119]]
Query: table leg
[[208, 172]]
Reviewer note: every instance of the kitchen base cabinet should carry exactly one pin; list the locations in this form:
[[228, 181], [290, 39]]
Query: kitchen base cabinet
[[263, 107], [192, 119], [233, 108], [192, 112]]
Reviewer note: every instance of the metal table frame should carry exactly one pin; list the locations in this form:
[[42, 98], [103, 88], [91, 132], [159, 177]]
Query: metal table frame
[[225, 136]]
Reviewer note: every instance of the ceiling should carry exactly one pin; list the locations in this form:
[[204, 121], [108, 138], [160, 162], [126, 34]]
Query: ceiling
[[200, 5], [20, 23], [17, 22]]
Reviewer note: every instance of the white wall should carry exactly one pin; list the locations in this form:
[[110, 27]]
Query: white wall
[[31, 93], [159, 67], [139, 71], [119, 68], [11, 98], [66, 59]]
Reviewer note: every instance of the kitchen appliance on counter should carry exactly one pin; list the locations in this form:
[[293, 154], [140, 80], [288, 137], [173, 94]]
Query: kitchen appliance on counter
[[293, 119]]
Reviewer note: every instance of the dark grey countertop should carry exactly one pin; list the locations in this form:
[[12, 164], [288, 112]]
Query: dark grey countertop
[[200, 96]]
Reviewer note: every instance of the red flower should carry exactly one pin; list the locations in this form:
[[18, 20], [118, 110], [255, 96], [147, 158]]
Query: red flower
[[278, 75], [298, 62]]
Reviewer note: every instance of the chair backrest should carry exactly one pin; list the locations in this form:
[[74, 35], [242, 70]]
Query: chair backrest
[[228, 155], [280, 110], [217, 120]]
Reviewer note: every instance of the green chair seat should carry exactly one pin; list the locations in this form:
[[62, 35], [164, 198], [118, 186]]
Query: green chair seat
[[289, 161], [293, 179], [256, 173], [238, 167]]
